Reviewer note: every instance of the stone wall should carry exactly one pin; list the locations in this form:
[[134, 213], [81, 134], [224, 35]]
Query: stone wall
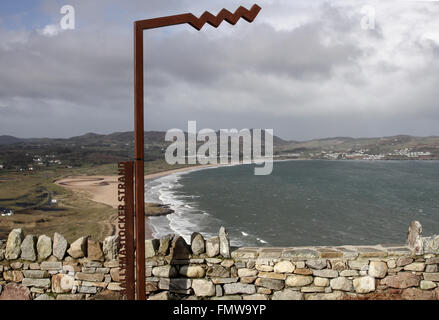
[[209, 269], [45, 269]]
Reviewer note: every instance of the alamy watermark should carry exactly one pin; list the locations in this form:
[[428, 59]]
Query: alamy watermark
[[227, 146], [368, 18], [68, 20]]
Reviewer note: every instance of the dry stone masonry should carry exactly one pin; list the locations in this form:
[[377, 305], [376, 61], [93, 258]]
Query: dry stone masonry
[[44, 268]]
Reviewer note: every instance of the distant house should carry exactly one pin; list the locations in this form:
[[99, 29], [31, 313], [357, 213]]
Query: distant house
[[6, 212]]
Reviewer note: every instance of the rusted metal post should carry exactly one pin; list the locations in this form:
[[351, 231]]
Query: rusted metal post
[[139, 158], [126, 227], [139, 26]]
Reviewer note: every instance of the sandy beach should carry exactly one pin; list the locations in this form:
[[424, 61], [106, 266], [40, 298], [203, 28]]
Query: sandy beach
[[103, 189]]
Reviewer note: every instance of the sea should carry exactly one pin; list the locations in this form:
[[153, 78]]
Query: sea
[[302, 203]]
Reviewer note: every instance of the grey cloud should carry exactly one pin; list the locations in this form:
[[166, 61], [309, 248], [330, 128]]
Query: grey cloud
[[325, 76], [299, 54], [67, 67]]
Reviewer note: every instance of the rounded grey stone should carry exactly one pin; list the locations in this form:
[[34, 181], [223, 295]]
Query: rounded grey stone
[[60, 245], [13, 245], [110, 247], [44, 247], [197, 243], [224, 243], [213, 246], [78, 249], [29, 248]]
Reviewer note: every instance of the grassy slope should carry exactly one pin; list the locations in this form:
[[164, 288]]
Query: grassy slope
[[74, 215]]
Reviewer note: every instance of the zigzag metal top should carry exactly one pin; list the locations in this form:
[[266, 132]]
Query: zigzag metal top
[[198, 23]]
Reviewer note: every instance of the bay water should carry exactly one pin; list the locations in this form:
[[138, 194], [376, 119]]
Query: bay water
[[309, 202]]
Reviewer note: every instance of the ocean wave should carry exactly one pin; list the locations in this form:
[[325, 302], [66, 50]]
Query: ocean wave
[[187, 216]]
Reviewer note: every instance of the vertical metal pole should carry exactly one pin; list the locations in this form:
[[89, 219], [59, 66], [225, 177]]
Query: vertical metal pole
[[129, 229], [139, 26], [139, 156], [125, 194]]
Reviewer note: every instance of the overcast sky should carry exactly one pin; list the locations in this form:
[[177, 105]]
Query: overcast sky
[[307, 69]]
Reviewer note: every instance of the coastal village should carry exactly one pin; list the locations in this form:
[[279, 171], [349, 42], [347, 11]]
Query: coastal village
[[361, 154], [27, 155]]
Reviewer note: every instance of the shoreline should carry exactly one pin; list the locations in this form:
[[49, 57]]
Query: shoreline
[[103, 188]]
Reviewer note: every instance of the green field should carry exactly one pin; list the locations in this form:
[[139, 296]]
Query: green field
[[74, 215]]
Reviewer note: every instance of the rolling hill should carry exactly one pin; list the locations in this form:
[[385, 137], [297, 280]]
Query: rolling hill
[[7, 140], [92, 148]]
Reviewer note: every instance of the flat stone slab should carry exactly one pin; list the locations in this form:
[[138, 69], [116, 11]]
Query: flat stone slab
[[274, 253], [329, 253], [224, 280], [392, 245], [245, 253], [370, 252], [270, 249], [51, 266], [321, 252], [39, 283], [432, 261], [35, 274], [431, 276], [400, 251], [348, 253], [300, 254]]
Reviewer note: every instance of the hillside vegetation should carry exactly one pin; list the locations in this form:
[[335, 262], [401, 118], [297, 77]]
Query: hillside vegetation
[[96, 149]]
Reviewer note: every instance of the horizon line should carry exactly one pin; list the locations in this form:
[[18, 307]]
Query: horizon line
[[284, 139]]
